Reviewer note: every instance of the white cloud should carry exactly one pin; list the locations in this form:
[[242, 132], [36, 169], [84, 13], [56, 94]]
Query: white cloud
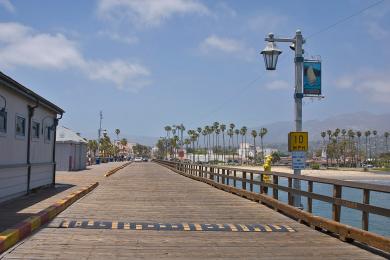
[[119, 72], [7, 5], [227, 45], [22, 46], [373, 84], [148, 13], [118, 37], [278, 85]]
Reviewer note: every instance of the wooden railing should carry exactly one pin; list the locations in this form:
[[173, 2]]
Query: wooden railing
[[244, 181]]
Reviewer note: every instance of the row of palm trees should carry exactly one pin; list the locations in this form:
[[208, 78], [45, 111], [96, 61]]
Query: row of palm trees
[[219, 141], [347, 144]]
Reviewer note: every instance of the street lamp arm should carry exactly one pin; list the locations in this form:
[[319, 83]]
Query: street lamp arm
[[273, 39]]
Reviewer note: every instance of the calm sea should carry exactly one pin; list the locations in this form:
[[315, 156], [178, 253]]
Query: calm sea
[[377, 224]]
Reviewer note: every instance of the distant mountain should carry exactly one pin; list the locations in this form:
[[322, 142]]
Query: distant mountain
[[277, 132]]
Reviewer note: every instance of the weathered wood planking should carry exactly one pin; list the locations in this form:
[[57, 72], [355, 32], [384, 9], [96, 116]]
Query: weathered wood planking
[[151, 193]]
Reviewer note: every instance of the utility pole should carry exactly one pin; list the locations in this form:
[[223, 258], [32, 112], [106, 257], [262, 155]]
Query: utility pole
[[100, 131]]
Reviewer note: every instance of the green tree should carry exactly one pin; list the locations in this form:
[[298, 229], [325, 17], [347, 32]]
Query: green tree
[[263, 131], [223, 128], [367, 135], [254, 135], [92, 146], [243, 131], [359, 135], [237, 132]]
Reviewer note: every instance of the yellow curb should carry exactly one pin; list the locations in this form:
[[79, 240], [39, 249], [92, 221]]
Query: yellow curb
[[10, 237], [112, 171]]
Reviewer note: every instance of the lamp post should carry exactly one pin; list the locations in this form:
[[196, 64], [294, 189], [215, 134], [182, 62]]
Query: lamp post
[[270, 54]]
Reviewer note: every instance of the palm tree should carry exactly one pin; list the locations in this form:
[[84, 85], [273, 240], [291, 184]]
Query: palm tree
[[230, 133], [92, 147], [386, 135], [254, 135], [204, 133], [223, 128], [217, 132], [187, 142], [232, 126], [117, 131], [199, 130], [168, 130], [336, 134], [237, 132], [343, 133], [329, 133], [243, 131], [359, 135], [123, 143], [367, 135], [262, 133], [351, 136]]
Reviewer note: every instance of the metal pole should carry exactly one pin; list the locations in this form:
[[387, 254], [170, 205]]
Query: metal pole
[[298, 103], [99, 132]]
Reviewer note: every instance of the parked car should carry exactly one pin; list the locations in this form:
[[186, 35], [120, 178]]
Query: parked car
[[145, 159], [138, 159]]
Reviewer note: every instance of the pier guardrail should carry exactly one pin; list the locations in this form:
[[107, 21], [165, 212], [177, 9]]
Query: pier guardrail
[[228, 178]]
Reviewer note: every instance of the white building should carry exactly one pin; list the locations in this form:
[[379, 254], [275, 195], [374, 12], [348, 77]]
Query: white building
[[27, 139], [71, 150]]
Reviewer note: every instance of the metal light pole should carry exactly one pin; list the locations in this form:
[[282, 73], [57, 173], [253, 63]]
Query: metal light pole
[[271, 53], [100, 131]]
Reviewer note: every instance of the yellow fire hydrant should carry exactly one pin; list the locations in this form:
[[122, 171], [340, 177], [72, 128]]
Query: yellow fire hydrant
[[267, 169]]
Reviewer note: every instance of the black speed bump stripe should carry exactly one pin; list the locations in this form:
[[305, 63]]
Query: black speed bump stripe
[[91, 224]]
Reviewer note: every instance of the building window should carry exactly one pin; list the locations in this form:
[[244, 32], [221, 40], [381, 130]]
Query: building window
[[48, 134], [20, 129], [35, 129], [3, 121]]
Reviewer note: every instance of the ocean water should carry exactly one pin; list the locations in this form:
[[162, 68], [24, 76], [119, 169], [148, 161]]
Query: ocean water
[[377, 224]]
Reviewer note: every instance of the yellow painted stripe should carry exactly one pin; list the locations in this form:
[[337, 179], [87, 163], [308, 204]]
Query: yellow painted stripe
[[126, 226], [65, 224], [35, 222], [198, 227], [78, 223], [267, 228], [276, 227], [10, 237], [245, 228], [115, 225], [90, 223], [138, 227], [186, 227], [233, 227]]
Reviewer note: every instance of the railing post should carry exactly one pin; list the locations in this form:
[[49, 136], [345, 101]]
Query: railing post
[[261, 187], [336, 209], [211, 173], [290, 196], [223, 176], [309, 199], [251, 181], [218, 174], [365, 214], [244, 180], [275, 192], [228, 177], [234, 180]]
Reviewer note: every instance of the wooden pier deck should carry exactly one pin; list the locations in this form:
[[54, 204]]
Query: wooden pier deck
[[150, 193]]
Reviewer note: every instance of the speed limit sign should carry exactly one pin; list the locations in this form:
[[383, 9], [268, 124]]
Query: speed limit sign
[[298, 141]]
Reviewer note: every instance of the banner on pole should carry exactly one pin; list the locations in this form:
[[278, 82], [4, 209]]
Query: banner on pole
[[312, 77]]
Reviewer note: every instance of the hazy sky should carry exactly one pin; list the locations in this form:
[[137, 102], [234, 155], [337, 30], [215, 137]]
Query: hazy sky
[[151, 63]]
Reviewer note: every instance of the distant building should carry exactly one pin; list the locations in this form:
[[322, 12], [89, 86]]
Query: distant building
[[71, 150], [27, 139]]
